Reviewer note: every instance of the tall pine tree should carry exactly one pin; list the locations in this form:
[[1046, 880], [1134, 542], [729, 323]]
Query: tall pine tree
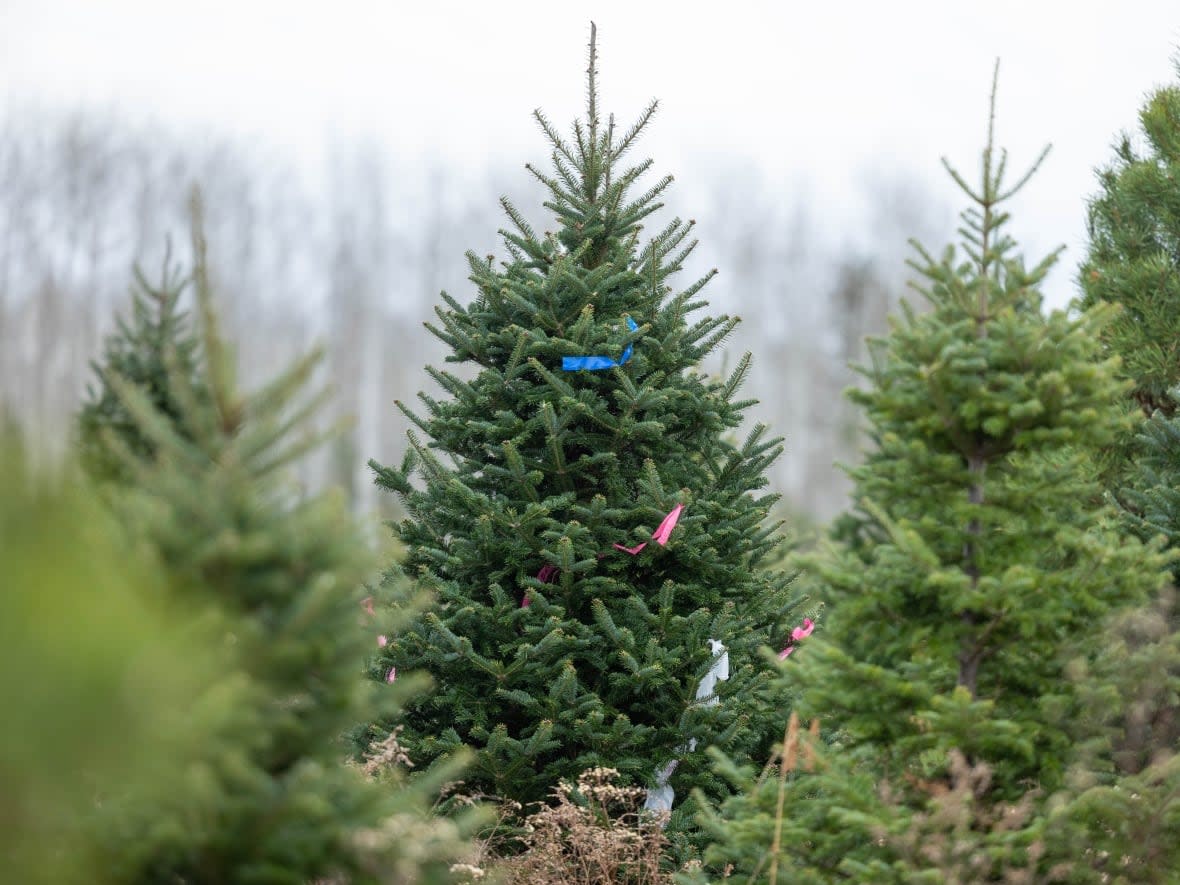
[[940, 674], [587, 427], [269, 797]]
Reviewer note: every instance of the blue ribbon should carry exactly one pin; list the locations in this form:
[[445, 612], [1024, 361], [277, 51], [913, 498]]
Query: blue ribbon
[[594, 363]]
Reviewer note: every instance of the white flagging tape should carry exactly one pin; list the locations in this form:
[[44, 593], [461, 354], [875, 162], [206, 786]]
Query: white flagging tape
[[660, 797], [719, 672]]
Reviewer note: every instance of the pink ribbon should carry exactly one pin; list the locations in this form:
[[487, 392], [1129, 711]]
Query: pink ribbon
[[800, 632], [545, 575], [660, 535]]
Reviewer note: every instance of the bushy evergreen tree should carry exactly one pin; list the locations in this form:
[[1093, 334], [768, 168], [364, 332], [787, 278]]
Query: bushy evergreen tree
[[1133, 724], [269, 798], [1134, 254], [939, 675], [587, 428], [153, 346]]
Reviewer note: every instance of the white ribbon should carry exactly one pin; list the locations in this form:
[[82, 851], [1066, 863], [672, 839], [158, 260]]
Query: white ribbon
[[660, 797]]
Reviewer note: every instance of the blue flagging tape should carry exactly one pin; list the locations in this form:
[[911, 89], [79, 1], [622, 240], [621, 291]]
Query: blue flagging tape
[[595, 363]]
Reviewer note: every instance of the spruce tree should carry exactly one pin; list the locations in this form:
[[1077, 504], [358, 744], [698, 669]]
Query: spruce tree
[[593, 533], [939, 675], [270, 797], [150, 348]]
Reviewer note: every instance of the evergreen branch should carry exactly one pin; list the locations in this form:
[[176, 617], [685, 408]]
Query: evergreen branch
[[645, 204], [554, 137], [681, 303], [250, 447], [565, 173], [729, 324], [636, 128], [591, 169], [274, 397], [553, 433], [413, 417], [583, 153], [678, 260], [310, 441], [454, 385], [567, 202], [518, 219], [198, 420], [1023, 180], [962, 182], [657, 247], [390, 478], [516, 358], [152, 423], [524, 247], [606, 149], [613, 195], [517, 471], [737, 377]]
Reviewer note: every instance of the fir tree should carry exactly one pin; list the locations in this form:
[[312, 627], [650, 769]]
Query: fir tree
[[1134, 254], [940, 671], [586, 429], [149, 349], [269, 798]]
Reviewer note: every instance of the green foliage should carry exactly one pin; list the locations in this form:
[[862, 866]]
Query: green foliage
[[1123, 803], [94, 692], [1152, 499], [529, 466], [150, 349], [980, 552], [1123, 798], [268, 798], [1134, 256]]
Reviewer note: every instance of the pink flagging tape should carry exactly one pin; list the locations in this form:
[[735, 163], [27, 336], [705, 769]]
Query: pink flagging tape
[[660, 536], [801, 632], [545, 575]]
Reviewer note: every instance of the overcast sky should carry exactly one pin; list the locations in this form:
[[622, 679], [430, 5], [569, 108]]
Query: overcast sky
[[817, 96]]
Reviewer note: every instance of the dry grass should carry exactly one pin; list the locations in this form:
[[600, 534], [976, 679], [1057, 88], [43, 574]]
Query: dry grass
[[593, 834], [386, 756], [965, 837]]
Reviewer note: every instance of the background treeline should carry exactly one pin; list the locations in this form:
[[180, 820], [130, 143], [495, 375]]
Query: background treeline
[[353, 253]]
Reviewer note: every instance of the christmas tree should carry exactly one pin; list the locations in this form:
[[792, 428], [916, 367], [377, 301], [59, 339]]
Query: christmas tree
[[150, 349], [269, 797], [940, 675], [594, 536]]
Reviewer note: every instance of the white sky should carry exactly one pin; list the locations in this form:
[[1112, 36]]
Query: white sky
[[821, 93]]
